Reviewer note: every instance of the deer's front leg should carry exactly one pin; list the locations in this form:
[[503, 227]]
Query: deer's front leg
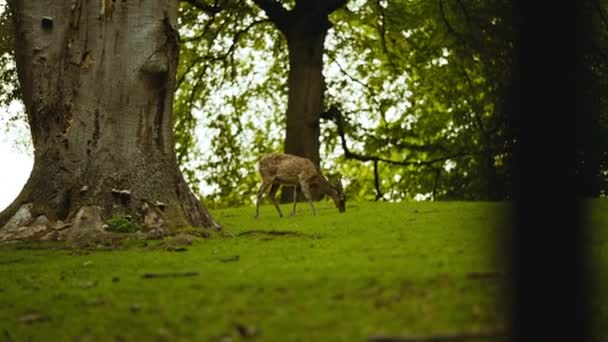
[[273, 191], [306, 192], [258, 197], [295, 200]]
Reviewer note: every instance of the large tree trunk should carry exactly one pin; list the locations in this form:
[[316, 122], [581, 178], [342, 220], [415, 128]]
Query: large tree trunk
[[97, 79]]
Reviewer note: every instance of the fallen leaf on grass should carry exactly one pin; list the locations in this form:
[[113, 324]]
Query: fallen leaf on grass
[[95, 301], [247, 331], [88, 284]]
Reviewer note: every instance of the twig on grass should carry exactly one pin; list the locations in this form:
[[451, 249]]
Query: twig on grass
[[169, 275], [278, 233]]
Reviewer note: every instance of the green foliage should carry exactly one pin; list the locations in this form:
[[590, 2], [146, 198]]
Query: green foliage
[[9, 91], [230, 99], [8, 71], [122, 224], [321, 280], [436, 92]]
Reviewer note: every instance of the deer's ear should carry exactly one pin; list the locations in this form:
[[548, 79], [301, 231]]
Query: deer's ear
[[339, 184]]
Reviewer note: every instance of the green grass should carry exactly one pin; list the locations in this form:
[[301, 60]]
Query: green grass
[[378, 269]]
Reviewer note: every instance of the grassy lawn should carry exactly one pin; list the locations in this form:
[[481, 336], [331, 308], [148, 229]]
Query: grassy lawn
[[378, 269]]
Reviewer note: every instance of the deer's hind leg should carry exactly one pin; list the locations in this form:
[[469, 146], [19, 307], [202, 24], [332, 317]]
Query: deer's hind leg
[[258, 197], [273, 191], [295, 200]]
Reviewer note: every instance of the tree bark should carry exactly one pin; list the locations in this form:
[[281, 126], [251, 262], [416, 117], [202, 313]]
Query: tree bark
[[97, 79], [305, 40], [306, 87], [491, 186]]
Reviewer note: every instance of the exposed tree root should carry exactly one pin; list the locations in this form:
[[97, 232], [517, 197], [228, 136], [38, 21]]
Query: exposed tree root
[[86, 228]]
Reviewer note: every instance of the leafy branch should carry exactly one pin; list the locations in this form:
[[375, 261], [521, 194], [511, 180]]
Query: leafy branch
[[335, 115], [209, 9]]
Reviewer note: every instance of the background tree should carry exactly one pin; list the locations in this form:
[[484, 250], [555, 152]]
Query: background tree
[[98, 91], [305, 28]]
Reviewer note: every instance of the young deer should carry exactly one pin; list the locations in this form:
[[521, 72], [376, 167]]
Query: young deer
[[288, 170]]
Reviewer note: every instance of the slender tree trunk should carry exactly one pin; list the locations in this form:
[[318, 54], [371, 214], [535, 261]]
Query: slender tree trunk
[[97, 79], [491, 187], [306, 88]]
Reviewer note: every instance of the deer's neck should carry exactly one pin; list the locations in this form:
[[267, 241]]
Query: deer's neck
[[331, 191]]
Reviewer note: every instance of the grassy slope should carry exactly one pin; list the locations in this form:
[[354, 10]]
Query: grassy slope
[[378, 269]]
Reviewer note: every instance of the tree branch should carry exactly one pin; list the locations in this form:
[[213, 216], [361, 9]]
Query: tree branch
[[335, 115], [600, 11], [352, 78], [209, 9], [383, 35], [224, 56], [204, 31], [449, 27], [275, 12], [467, 17], [333, 5], [379, 194], [436, 183]]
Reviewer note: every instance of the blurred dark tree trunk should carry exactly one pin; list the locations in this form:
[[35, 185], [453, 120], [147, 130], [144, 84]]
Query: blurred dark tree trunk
[[548, 257]]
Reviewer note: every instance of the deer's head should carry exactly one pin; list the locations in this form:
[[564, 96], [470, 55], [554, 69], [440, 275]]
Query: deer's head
[[339, 197]]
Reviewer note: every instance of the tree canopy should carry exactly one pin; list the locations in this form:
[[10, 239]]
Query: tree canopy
[[415, 104]]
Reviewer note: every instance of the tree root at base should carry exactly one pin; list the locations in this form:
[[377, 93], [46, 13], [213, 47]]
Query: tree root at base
[[86, 228]]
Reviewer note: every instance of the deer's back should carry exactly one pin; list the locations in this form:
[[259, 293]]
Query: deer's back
[[286, 168]]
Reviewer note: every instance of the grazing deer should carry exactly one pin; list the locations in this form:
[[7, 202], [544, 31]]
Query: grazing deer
[[288, 170]]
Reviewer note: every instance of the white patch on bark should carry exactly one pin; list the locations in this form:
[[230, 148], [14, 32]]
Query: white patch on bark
[[21, 218], [21, 227], [87, 224], [153, 218]]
